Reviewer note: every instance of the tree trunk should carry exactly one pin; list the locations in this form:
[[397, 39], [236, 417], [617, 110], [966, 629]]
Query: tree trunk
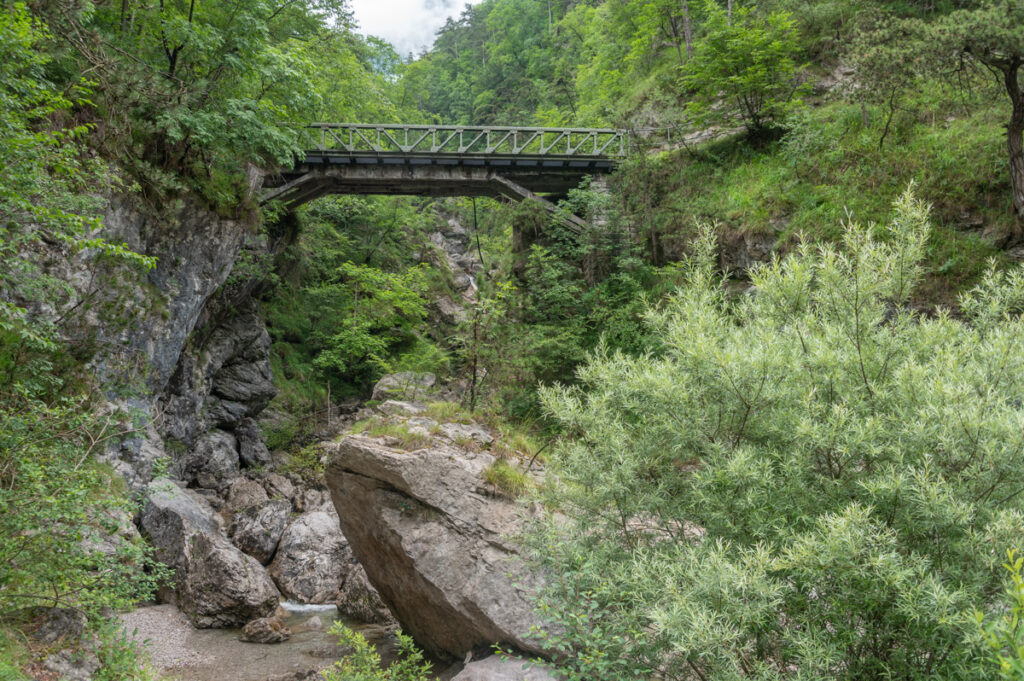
[[1015, 136], [687, 30]]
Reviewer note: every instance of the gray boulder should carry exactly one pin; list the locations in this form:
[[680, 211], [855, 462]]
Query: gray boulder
[[170, 516], [406, 385], [57, 624], [72, 665], [257, 530], [213, 462], [360, 601], [223, 587], [313, 559], [495, 668], [457, 432], [434, 543], [399, 408], [251, 449], [278, 487], [265, 630], [216, 584], [244, 493]]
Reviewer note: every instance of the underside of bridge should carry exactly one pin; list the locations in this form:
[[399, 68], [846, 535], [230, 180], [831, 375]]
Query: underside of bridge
[[517, 178]]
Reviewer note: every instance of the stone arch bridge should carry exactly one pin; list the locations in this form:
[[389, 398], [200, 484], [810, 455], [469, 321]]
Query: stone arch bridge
[[437, 160]]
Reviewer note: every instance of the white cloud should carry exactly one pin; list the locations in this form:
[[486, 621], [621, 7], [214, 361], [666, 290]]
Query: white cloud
[[409, 25]]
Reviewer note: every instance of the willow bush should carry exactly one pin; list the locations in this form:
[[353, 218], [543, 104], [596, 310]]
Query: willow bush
[[809, 481]]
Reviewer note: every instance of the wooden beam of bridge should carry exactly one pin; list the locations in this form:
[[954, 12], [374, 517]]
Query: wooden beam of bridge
[[513, 163]]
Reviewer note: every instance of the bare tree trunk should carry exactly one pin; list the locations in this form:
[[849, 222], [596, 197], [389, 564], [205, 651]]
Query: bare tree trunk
[[1015, 137], [673, 31], [728, 12], [688, 29]]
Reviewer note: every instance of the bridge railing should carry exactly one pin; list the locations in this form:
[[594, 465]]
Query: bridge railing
[[486, 140]]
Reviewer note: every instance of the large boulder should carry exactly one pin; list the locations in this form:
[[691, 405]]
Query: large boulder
[[434, 543], [257, 530], [496, 668], [313, 559], [216, 584], [222, 586]]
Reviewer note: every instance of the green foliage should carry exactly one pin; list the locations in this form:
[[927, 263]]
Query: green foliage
[[364, 662], [1005, 636], [47, 479], [801, 483], [57, 505], [507, 478], [47, 194], [405, 438], [351, 299], [120, 657], [750, 62], [199, 90], [306, 462], [556, 295]]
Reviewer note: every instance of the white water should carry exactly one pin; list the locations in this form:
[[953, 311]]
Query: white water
[[302, 608], [472, 282]]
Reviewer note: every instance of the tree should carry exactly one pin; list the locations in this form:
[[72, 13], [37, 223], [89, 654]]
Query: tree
[[201, 90], [750, 62], [809, 481], [989, 34], [893, 51], [56, 503]]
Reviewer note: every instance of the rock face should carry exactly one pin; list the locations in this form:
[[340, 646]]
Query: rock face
[[494, 668], [433, 543], [738, 252], [216, 584], [313, 559]]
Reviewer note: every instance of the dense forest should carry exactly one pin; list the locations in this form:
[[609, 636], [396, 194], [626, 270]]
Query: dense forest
[[775, 383]]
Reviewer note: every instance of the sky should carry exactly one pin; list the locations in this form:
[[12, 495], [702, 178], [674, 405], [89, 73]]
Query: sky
[[409, 25]]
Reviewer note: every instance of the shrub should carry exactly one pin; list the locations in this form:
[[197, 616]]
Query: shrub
[[809, 481], [364, 663], [507, 478]]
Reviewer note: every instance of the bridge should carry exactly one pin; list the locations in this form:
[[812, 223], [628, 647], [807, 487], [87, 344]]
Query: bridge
[[437, 160]]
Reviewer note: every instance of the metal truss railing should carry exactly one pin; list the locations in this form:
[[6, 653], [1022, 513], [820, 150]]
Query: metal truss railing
[[486, 140]]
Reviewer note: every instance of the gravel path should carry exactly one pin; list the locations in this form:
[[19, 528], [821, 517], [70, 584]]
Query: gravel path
[[180, 652], [165, 631]]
